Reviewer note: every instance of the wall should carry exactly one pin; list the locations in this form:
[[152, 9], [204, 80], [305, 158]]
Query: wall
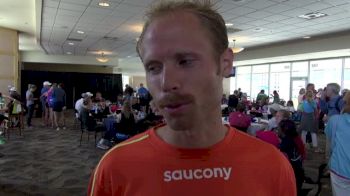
[[67, 68], [136, 80], [9, 74]]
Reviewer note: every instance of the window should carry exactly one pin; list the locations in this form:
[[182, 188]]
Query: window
[[232, 85], [280, 80], [300, 69], [327, 71], [260, 80], [125, 80], [244, 78], [347, 74]]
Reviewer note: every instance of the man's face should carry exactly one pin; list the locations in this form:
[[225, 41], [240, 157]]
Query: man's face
[[181, 71]]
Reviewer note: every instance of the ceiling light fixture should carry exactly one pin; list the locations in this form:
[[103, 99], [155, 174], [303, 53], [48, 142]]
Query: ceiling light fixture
[[68, 52], [80, 32], [71, 43], [229, 24], [235, 49], [103, 3], [306, 37], [102, 58]]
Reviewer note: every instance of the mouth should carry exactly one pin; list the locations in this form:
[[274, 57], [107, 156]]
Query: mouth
[[175, 108]]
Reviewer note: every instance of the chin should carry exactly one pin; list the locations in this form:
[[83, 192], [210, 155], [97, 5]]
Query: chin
[[179, 125]]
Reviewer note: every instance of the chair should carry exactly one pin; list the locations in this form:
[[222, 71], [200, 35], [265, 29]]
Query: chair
[[15, 121], [90, 126]]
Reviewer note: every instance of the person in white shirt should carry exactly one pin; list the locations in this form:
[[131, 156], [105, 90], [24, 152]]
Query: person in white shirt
[[79, 105]]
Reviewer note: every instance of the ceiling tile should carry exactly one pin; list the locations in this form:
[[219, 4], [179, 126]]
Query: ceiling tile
[[79, 2], [317, 6], [259, 14], [279, 8], [258, 22], [276, 17], [242, 11], [260, 4], [296, 12], [51, 3], [72, 7]]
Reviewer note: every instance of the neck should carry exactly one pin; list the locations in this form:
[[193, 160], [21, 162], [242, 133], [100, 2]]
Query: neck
[[202, 135]]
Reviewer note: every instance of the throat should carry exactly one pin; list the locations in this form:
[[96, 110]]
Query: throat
[[193, 139]]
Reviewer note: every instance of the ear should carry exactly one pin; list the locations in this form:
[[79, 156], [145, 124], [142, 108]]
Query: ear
[[226, 62]]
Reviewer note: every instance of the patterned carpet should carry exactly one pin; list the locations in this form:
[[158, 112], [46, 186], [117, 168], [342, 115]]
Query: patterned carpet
[[44, 161]]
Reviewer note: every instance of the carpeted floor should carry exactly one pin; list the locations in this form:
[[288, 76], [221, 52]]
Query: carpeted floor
[[44, 161]]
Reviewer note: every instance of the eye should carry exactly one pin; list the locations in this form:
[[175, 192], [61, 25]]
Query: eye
[[186, 62], [154, 68]]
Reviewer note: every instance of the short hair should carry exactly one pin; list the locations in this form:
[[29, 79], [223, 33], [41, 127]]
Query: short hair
[[335, 88], [204, 10], [310, 84], [289, 128], [302, 91]]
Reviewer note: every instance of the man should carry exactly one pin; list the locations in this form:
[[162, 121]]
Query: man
[[30, 103], [193, 153], [59, 105], [79, 105], [144, 97], [44, 105], [261, 98], [331, 102]]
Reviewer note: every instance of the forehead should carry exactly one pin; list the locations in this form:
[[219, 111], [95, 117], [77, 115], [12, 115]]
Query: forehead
[[175, 29]]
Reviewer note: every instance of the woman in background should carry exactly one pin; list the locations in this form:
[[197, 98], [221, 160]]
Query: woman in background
[[308, 119], [293, 147], [338, 135]]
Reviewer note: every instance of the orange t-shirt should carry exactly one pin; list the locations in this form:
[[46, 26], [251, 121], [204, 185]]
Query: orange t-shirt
[[238, 165]]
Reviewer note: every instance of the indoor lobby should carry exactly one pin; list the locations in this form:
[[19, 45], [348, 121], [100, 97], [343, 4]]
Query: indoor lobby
[[88, 48]]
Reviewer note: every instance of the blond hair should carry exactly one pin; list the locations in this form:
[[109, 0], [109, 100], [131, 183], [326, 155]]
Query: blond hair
[[211, 20]]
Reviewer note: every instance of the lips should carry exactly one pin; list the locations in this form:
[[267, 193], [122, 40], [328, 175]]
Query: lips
[[175, 109]]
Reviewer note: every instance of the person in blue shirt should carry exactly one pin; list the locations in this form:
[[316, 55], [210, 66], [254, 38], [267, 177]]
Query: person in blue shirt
[[338, 135], [331, 102], [144, 97]]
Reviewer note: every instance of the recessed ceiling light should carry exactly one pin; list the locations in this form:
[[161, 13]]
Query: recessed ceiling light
[[68, 53], [129, 56], [80, 32], [229, 24], [103, 3], [71, 43], [306, 37], [258, 29], [312, 15]]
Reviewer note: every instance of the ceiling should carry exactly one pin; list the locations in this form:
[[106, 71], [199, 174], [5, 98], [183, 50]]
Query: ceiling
[[53, 25], [115, 28]]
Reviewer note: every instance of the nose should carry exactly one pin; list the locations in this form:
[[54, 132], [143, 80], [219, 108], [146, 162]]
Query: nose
[[170, 78]]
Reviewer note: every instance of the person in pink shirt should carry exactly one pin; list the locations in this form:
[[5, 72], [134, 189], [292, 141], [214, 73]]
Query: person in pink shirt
[[239, 119]]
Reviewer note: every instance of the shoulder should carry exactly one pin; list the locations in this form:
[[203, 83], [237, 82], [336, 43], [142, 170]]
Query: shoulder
[[126, 150]]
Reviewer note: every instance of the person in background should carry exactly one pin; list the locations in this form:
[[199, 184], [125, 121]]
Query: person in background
[[308, 119], [239, 119], [293, 147], [44, 104], [338, 134], [127, 120], [30, 104], [233, 101], [59, 105], [246, 102], [301, 96], [331, 102], [239, 93], [260, 99], [276, 97], [85, 102], [311, 87], [290, 106], [50, 103], [224, 100], [184, 62]]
